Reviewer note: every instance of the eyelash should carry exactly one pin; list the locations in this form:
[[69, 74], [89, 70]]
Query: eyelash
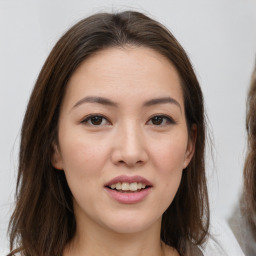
[[88, 120], [168, 119]]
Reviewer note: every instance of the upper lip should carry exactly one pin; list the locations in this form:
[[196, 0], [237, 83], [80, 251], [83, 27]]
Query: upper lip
[[129, 179]]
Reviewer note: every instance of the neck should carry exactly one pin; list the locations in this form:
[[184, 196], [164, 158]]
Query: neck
[[93, 239]]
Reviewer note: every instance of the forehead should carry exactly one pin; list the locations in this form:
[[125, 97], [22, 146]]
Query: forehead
[[130, 72]]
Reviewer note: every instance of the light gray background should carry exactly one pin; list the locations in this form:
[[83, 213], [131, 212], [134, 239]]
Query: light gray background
[[218, 35]]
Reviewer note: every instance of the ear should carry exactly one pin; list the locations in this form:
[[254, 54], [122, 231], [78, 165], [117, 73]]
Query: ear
[[190, 146], [56, 157]]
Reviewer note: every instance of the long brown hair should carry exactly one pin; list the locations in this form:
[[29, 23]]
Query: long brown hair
[[250, 162], [43, 221]]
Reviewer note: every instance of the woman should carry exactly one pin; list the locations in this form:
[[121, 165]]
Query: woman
[[249, 169], [243, 221], [112, 146]]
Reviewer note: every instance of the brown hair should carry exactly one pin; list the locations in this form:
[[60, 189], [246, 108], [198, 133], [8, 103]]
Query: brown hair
[[43, 221], [250, 162]]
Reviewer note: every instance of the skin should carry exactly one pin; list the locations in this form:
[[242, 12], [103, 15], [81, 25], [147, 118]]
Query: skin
[[127, 141]]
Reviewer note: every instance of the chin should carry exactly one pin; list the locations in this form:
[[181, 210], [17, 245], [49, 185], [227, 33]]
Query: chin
[[133, 224]]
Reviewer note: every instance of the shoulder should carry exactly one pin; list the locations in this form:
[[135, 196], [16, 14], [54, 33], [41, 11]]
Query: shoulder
[[221, 240], [243, 231]]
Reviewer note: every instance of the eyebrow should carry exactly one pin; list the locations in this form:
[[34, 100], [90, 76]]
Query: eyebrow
[[162, 101], [99, 100], [108, 102]]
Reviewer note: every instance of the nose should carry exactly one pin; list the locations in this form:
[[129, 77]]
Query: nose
[[129, 147]]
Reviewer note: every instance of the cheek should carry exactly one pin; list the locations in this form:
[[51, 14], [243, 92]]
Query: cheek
[[83, 165], [168, 159], [169, 155], [82, 158]]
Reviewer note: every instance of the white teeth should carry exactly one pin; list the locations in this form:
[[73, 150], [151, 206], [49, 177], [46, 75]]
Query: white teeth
[[113, 186], [133, 186], [118, 186], [125, 186]]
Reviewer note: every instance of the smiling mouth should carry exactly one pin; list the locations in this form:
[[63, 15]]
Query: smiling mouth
[[126, 187]]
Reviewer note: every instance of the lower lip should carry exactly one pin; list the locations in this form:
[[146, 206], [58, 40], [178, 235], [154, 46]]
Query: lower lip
[[128, 198]]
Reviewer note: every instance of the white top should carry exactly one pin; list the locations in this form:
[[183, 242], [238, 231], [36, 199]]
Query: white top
[[243, 232], [222, 241]]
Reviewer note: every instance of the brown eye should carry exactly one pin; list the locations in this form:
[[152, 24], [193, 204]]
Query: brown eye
[[161, 120], [157, 120], [95, 120]]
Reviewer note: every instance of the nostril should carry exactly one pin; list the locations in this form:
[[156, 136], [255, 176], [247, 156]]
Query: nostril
[[129, 157], [130, 163]]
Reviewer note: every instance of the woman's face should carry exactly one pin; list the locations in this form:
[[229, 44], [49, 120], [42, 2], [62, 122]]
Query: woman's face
[[123, 139]]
